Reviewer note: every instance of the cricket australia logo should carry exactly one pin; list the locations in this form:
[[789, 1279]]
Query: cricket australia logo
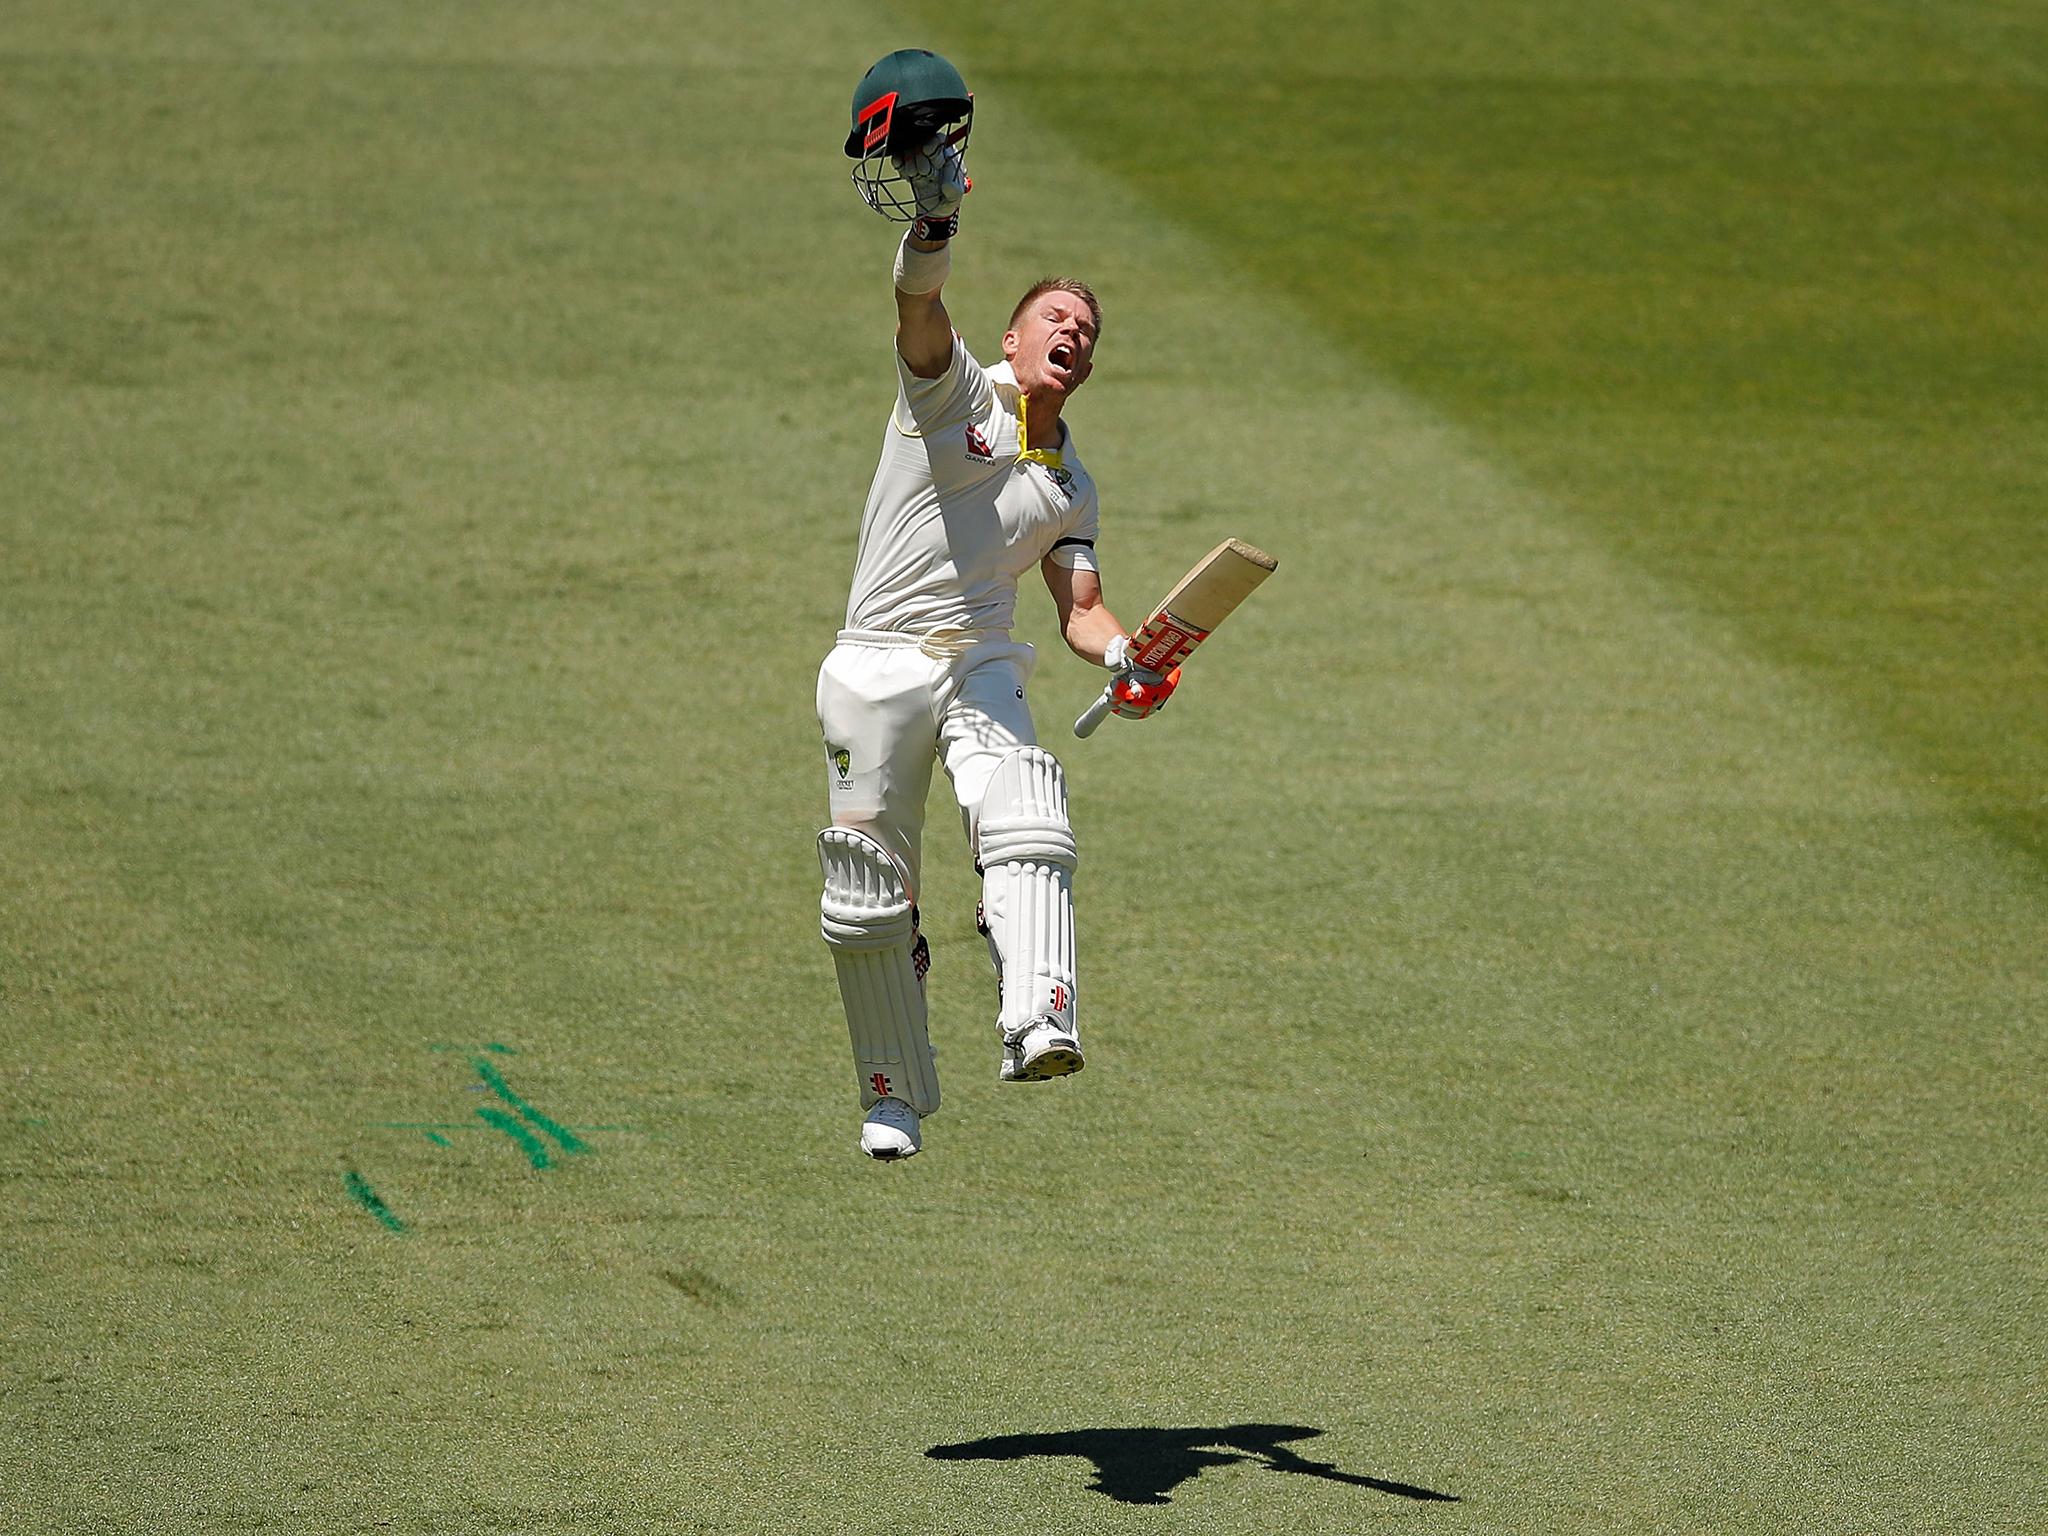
[[1062, 481], [978, 448], [842, 765]]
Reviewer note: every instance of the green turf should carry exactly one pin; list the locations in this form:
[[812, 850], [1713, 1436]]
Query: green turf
[[1754, 295], [1595, 1071]]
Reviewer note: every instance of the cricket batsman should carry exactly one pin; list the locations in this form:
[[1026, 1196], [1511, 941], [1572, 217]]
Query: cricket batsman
[[979, 482]]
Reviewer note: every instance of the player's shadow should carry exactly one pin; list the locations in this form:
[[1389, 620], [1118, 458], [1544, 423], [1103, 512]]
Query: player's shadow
[[1144, 1466]]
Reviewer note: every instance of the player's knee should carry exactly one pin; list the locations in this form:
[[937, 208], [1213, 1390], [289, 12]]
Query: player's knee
[[866, 904], [1024, 812]]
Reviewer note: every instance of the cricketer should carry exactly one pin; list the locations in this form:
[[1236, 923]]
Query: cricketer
[[979, 481]]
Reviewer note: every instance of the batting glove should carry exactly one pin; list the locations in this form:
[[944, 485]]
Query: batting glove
[[1137, 692], [938, 179]]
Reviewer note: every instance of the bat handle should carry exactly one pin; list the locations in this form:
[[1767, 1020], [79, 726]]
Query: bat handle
[[1094, 714]]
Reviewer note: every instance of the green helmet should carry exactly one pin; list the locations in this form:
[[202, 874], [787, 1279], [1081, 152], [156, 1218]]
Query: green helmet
[[906, 99]]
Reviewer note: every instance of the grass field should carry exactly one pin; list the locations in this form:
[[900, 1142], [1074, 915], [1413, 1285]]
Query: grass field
[[1596, 1082]]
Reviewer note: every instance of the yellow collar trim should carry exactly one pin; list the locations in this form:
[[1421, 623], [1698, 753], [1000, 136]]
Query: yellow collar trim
[[1026, 454]]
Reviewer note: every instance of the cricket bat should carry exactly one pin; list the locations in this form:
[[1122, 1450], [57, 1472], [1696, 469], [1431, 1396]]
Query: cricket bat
[[1200, 600]]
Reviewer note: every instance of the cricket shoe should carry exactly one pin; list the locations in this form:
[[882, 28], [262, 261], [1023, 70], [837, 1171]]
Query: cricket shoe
[[1040, 1051], [890, 1133]]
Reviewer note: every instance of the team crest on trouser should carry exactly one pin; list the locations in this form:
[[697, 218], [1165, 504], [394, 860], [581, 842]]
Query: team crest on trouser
[[842, 765]]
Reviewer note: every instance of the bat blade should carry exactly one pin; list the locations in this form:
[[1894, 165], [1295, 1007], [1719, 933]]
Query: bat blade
[[1199, 601]]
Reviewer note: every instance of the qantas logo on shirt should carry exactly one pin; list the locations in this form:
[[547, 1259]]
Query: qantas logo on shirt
[[978, 448]]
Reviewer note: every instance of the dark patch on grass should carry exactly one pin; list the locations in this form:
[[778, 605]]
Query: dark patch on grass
[[698, 1286], [1144, 1465]]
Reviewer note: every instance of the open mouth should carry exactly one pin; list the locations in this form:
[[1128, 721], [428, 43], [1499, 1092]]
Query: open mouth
[[1061, 357]]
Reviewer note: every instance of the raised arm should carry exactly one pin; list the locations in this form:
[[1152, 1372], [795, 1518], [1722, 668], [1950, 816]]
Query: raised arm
[[924, 331]]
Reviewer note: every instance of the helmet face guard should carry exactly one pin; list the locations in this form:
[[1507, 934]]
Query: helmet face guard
[[902, 104]]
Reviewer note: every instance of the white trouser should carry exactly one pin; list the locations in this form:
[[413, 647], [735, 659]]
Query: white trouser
[[892, 704]]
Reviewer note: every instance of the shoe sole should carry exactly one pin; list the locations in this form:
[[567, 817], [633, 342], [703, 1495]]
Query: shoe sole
[[1054, 1061], [892, 1154]]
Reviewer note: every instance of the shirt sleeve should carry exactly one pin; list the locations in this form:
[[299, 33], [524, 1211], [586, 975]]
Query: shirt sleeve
[[961, 393], [1075, 549]]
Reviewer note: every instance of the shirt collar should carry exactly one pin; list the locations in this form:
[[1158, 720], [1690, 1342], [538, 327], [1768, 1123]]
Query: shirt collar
[[1004, 377]]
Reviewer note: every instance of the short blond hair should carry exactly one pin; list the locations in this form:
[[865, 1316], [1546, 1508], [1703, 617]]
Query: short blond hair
[[1073, 285]]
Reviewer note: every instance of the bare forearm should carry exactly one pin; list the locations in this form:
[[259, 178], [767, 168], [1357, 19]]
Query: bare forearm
[[924, 331], [1089, 631]]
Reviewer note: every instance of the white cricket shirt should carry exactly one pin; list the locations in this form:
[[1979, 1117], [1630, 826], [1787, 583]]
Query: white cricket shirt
[[957, 513]]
